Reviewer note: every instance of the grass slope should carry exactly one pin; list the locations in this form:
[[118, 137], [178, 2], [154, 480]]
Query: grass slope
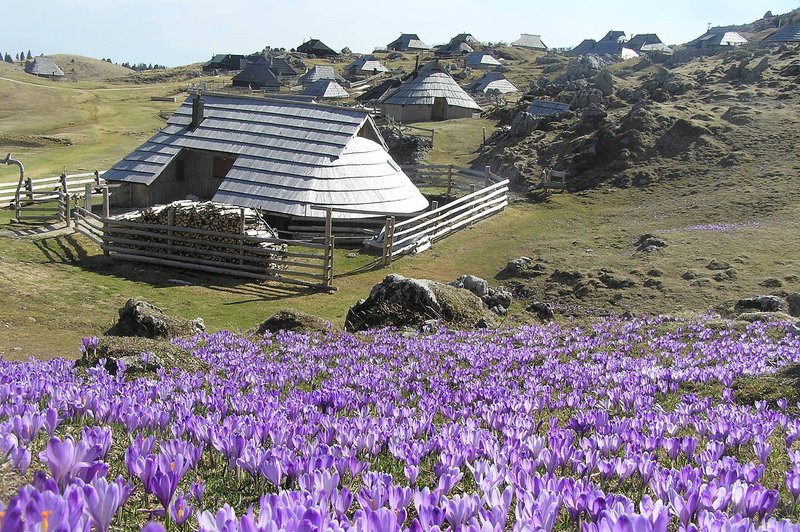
[[84, 68]]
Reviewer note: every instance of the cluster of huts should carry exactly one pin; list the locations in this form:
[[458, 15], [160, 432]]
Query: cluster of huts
[[291, 155]]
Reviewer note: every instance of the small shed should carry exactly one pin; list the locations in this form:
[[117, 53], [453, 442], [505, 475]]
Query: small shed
[[325, 88], [364, 66], [610, 48], [408, 42], [319, 72], [483, 59], [530, 41], [44, 67], [789, 33], [717, 38], [225, 62], [280, 156], [547, 108], [257, 75], [429, 93], [492, 81], [317, 48], [647, 42], [463, 43]]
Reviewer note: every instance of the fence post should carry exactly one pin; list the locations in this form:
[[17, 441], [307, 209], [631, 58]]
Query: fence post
[[105, 237], [433, 137], [241, 232], [17, 206], [64, 186], [106, 203], [472, 188], [449, 179], [67, 213], [388, 241], [487, 175], [87, 198], [29, 186], [434, 205], [328, 264], [97, 178]]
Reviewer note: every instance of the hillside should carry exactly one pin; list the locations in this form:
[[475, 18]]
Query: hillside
[[80, 68]]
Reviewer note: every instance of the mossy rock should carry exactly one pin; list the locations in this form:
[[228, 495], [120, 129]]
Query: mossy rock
[[459, 306], [783, 384], [293, 320], [142, 356]]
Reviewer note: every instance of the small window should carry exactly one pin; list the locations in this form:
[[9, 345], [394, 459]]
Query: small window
[[180, 170], [222, 165]]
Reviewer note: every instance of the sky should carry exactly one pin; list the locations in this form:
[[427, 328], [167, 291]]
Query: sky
[[180, 32]]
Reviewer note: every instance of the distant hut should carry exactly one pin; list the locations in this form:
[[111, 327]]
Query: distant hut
[[717, 38], [221, 62], [364, 66], [281, 67], [44, 67], [647, 42], [319, 72], [547, 108], [530, 41], [257, 75], [380, 91], [787, 34], [325, 88], [461, 44], [483, 59], [408, 42], [317, 48], [279, 156], [429, 94], [612, 44], [492, 81]]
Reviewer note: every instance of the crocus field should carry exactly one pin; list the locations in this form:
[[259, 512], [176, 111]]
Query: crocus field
[[621, 425]]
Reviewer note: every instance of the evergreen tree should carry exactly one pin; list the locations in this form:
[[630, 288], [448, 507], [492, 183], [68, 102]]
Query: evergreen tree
[[29, 56], [22, 56], [8, 58]]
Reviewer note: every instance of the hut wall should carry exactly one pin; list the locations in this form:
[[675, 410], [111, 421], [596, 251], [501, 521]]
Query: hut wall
[[422, 113]]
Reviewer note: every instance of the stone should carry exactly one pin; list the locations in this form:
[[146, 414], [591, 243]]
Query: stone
[[654, 283], [142, 319], [718, 265], [138, 355], [793, 300], [293, 320], [542, 310], [486, 323], [474, 284], [649, 243], [604, 82], [771, 282], [593, 114], [523, 125], [400, 301], [655, 272], [764, 303], [688, 275], [614, 281]]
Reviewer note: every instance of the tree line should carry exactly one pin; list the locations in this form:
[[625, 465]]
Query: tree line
[[23, 56]]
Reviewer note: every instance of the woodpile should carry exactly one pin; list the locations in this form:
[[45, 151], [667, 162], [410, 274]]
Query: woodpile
[[215, 228]]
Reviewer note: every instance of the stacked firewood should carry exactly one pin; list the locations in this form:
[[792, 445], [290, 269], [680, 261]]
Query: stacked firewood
[[208, 217]]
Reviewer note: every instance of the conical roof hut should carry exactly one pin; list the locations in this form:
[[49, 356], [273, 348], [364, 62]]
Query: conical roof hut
[[325, 88], [429, 94], [492, 81]]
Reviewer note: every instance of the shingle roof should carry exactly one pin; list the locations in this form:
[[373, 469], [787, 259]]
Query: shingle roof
[[461, 43], [408, 41], [718, 37], [315, 47], [590, 46], [481, 58], [44, 66], [547, 108], [281, 67], [320, 72], [431, 82], [379, 91], [289, 155], [647, 42], [257, 74], [529, 40], [325, 88], [366, 64], [613, 36], [788, 33], [492, 81]]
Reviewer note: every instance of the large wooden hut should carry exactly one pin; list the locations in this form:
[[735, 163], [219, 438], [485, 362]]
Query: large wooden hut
[[429, 94], [257, 75], [280, 156], [44, 67], [325, 88], [317, 48], [408, 42], [492, 81]]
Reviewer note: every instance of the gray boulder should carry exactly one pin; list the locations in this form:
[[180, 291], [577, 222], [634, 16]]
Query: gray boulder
[[794, 303], [761, 304], [142, 319], [498, 300], [293, 320], [604, 82], [523, 124]]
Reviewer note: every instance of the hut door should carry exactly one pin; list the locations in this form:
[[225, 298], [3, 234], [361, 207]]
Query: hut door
[[439, 111]]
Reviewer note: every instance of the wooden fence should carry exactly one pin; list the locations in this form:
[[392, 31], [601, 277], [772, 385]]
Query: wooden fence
[[451, 179], [41, 199], [308, 264]]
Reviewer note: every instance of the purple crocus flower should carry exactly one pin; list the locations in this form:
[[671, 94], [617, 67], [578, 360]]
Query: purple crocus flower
[[197, 489], [180, 510], [103, 499], [163, 486]]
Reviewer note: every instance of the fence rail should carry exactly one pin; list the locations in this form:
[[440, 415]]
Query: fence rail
[[73, 183]]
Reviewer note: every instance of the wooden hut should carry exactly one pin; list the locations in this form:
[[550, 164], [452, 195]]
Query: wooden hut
[[222, 62], [281, 67], [44, 67], [317, 48], [492, 81], [788, 34], [530, 41], [280, 156], [257, 75], [717, 38], [364, 66], [482, 59], [647, 42], [380, 91], [325, 88], [429, 94], [319, 72], [408, 42], [461, 44]]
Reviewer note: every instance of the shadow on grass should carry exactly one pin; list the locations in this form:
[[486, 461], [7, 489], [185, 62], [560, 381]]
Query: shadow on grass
[[73, 250]]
